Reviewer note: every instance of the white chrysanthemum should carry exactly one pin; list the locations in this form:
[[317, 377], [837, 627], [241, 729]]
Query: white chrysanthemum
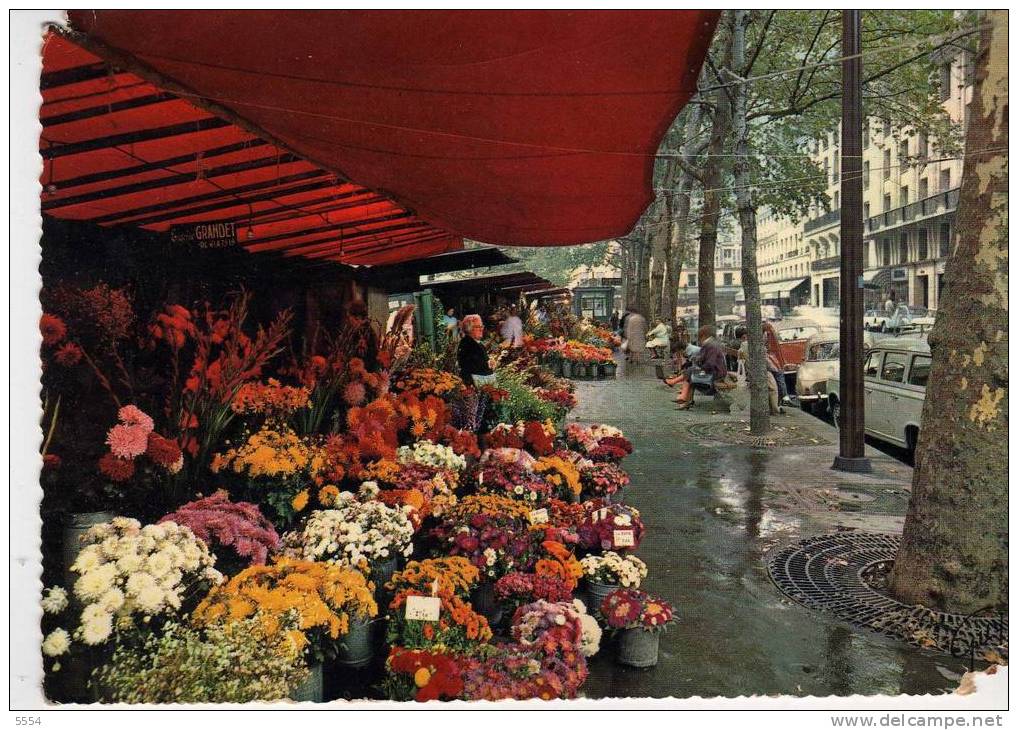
[[92, 612], [111, 600], [87, 559], [125, 524], [129, 563], [156, 532], [159, 564], [590, 637], [97, 630], [150, 600], [137, 582], [57, 643], [92, 584], [54, 600]]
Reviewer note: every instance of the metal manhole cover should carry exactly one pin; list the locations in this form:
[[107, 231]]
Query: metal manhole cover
[[878, 499], [737, 433], [827, 573]]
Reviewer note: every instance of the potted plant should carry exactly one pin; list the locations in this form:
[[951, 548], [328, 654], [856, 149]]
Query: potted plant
[[640, 619], [606, 573]]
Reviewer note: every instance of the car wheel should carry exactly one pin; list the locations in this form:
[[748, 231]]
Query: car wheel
[[807, 407], [835, 408]]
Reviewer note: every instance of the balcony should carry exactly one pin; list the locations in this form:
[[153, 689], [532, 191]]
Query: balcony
[[823, 221], [830, 262], [930, 207]]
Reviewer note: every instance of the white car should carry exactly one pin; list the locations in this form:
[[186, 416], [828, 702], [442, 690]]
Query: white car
[[895, 373], [902, 321], [822, 363]]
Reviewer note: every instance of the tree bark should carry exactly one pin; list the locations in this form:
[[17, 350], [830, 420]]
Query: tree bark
[[659, 239], [712, 176], [677, 204], [953, 554], [643, 280], [756, 366]]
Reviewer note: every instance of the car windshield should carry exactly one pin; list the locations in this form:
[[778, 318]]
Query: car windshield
[[823, 351], [797, 333]]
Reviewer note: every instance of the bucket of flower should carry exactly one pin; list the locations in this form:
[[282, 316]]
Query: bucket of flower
[[639, 619], [606, 573]]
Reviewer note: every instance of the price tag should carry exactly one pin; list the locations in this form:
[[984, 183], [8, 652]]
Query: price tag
[[624, 538], [423, 608], [538, 516], [480, 477]]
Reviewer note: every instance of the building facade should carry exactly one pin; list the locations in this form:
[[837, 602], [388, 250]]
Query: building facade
[[727, 278], [910, 196]]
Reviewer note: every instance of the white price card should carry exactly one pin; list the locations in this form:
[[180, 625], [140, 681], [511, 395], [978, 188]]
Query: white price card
[[538, 516], [423, 608], [624, 538]]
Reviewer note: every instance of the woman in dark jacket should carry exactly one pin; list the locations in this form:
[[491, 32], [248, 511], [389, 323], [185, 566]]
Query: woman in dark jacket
[[471, 355]]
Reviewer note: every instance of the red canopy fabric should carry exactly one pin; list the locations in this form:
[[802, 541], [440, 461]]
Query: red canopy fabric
[[512, 127]]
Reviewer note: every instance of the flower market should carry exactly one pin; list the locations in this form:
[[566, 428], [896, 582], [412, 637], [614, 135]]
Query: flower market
[[265, 476]]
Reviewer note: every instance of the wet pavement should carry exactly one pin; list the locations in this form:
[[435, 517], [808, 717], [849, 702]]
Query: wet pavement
[[714, 512]]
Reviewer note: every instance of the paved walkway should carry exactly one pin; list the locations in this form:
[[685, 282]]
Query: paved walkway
[[713, 513]]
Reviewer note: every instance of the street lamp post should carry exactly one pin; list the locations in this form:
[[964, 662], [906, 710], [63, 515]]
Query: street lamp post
[[852, 445]]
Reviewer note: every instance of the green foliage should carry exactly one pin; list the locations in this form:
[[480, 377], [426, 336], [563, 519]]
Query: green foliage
[[522, 403], [556, 263], [234, 662]]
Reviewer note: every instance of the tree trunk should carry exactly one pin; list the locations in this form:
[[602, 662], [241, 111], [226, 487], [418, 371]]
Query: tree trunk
[[953, 554], [712, 176], [659, 239], [628, 273], [643, 280], [677, 204], [756, 366]]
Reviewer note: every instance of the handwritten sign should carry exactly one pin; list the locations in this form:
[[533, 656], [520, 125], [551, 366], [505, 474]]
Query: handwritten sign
[[538, 516], [205, 235], [423, 608], [624, 538]]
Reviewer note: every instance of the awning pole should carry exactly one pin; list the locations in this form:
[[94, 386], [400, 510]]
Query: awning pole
[[852, 422]]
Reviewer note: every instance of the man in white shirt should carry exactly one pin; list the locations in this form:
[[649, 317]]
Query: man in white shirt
[[512, 329]]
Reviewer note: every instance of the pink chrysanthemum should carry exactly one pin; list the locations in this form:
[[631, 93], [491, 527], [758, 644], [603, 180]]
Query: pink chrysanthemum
[[134, 416], [127, 442], [354, 393]]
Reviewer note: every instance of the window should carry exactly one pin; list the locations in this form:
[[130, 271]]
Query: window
[[837, 200], [837, 167], [903, 195], [866, 175], [945, 180], [924, 146], [887, 202], [924, 189], [691, 280], [872, 366], [945, 239], [945, 81], [903, 150], [728, 279], [865, 211], [923, 244], [893, 370], [866, 134], [903, 248], [887, 127], [887, 252], [887, 164], [919, 373]]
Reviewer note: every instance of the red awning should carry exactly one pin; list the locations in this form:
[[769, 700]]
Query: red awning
[[512, 127], [118, 150]]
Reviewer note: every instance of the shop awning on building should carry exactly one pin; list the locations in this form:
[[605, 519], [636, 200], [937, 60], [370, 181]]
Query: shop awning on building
[[366, 136], [780, 289]]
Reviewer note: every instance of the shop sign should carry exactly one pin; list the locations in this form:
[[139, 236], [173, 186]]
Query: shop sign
[[205, 235], [899, 275]]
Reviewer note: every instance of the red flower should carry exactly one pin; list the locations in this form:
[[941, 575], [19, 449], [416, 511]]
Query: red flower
[[53, 329], [51, 461], [68, 355], [162, 451], [115, 468]]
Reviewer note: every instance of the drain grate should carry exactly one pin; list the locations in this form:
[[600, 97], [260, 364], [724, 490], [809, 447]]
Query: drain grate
[[737, 433], [827, 573]]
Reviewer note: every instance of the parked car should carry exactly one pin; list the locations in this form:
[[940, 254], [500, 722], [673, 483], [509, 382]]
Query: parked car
[[792, 337], [821, 364], [904, 320], [895, 373]]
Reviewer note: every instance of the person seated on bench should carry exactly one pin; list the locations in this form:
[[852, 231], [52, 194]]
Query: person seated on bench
[[658, 338], [710, 359]]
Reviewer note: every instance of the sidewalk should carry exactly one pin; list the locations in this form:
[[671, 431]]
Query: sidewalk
[[714, 512]]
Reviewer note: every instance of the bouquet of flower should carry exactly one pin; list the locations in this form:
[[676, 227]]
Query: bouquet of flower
[[518, 457], [614, 569], [516, 589], [495, 544], [459, 628], [558, 561], [431, 454], [612, 527], [488, 504], [562, 475], [354, 534], [270, 398], [229, 526], [422, 675], [586, 354], [513, 481], [454, 574], [461, 441], [611, 448], [234, 662], [323, 598], [428, 381], [601, 479], [628, 608], [129, 574], [561, 398], [132, 437]]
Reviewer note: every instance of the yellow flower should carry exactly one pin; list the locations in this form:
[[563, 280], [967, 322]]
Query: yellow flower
[[300, 501], [422, 676], [327, 494]]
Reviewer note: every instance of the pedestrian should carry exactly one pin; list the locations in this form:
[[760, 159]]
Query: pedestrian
[[775, 378], [613, 321], [451, 324], [634, 343], [512, 329], [710, 360], [658, 337], [471, 355]]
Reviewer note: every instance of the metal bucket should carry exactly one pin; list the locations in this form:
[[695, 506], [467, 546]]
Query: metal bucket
[[355, 649], [485, 603], [567, 369], [311, 689], [609, 370], [78, 523], [382, 572], [596, 593], [638, 648]]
